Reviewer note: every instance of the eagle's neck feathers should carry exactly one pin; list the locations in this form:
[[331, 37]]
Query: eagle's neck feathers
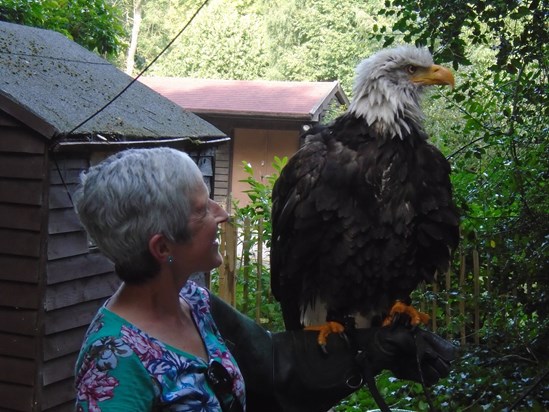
[[390, 115], [384, 96]]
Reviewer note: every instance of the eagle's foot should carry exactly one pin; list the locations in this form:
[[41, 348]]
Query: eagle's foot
[[324, 330], [399, 308]]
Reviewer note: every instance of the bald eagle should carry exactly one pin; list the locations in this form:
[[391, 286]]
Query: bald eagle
[[363, 212]]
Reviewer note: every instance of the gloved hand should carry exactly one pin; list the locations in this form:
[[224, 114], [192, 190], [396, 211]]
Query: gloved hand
[[288, 372], [410, 353]]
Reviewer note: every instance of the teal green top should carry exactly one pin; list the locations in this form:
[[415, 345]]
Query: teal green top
[[121, 368]]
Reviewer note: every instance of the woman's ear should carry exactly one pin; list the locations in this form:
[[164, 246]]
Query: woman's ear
[[160, 248]]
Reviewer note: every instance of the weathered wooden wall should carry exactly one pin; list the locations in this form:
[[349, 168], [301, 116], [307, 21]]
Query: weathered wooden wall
[[23, 193], [51, 281], [78, 280]]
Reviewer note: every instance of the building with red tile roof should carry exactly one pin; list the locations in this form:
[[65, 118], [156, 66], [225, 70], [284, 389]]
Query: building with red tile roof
[[263, 118]]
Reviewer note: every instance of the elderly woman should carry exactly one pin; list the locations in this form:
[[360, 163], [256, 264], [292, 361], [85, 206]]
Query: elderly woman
[[155, 345], [150, 345]]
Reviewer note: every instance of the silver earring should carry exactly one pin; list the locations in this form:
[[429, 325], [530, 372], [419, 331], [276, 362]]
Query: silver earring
[[170, 259]]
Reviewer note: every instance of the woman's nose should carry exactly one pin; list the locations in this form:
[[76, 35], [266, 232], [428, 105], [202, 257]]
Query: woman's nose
[[220, 213]]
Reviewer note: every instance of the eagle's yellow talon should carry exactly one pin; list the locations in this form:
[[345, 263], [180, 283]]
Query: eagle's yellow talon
[[325, 330], [416, 317]]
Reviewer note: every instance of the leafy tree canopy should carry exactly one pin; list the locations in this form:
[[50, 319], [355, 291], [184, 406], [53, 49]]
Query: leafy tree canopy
[[94, 24]]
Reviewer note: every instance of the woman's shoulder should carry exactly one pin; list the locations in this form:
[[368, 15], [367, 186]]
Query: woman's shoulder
[[104, 323]]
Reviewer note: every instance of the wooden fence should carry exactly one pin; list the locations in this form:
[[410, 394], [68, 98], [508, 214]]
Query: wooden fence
[[460, 316]]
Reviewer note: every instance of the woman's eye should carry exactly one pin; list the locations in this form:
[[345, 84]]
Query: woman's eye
[[411, 69]]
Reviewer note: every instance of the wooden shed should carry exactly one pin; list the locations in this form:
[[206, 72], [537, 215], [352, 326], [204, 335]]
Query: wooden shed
[[57, 115], [263, 119]]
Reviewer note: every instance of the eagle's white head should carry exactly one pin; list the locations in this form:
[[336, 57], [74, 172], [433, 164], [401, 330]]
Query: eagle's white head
[[388, 88]]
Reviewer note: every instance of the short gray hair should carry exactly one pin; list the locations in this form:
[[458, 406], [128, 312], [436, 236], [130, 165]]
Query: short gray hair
[[131, 196]]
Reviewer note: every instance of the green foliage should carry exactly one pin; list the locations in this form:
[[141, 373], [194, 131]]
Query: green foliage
[[93, 24], [489, 377], [318, 40], [272, 40], [499, 154], [222, 41], [254, 228]]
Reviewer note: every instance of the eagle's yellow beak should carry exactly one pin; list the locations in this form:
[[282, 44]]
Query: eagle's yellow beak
[[434, 75]]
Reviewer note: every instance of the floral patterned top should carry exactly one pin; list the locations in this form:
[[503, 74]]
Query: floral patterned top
[[121, 368]]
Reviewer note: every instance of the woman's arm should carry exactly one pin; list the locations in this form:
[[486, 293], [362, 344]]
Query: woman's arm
[[288, 372]]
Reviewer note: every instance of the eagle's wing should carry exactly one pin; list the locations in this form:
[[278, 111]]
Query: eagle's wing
[[357, 226], [291, 200], [315, 187]]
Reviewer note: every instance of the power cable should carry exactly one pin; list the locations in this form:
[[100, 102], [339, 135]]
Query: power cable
[[143, 71], [123, 91]]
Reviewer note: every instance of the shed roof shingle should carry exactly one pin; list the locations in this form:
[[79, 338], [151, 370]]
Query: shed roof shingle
[[53, 84]]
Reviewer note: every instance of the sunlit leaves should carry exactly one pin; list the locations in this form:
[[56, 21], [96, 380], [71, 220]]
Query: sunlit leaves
[[94, 24]]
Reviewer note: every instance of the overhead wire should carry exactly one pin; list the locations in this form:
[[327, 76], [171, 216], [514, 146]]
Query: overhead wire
[[142, 71], [112, 100]]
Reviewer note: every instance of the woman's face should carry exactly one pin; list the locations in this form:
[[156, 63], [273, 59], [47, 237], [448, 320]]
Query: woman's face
[[201, 252]]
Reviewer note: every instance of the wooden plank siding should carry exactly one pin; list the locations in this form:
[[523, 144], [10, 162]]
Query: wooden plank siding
[[22, 217], [23, 192], [222, 175], [17, 345], [75, 292], [63, 343], [77, 283], [18, 321], [51, 284], [71, 317], [17, 371], [19, 268], [18, 139], [57, 395], [58, 369], [65, 407], [20, 295], [20, 242], [16, 397], [77, 267]]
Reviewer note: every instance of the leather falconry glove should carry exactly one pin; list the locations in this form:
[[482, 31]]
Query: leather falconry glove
[[402, 350], [288, 372]]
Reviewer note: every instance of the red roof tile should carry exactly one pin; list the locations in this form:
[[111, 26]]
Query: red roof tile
[[249, 97]]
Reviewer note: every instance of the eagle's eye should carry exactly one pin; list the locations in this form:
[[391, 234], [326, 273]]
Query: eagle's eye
[[411, 69]]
